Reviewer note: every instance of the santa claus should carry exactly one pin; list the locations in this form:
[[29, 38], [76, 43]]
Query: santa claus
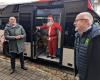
[[52, 27]]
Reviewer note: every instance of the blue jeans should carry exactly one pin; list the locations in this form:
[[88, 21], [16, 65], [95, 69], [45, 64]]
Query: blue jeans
[[13, 57]]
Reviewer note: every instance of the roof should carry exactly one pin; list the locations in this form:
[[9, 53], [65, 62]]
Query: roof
[[2, 6]]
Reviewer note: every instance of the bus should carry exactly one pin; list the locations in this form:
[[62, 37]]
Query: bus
[[35, 14]]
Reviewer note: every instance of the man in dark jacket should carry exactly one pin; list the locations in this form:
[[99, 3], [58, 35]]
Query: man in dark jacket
[[87, 47], [15, 34]]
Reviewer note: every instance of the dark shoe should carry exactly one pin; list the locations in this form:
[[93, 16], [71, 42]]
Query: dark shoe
[[48, 56], [13, 70], [24, 68], [52, 57]]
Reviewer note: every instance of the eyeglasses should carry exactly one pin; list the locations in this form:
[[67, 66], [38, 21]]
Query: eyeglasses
[[79, 20]]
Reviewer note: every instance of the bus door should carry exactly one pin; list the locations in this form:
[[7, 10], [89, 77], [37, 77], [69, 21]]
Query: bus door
[[41, 48], [68, 42]]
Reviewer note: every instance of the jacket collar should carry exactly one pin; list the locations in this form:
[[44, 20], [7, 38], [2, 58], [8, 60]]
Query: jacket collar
[[8, 25], [88, 30]]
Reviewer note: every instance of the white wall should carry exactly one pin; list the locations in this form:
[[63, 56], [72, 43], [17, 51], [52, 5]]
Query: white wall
[[98, 9]]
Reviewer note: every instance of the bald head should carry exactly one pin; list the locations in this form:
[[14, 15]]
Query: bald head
[[86, 15], [83, 21]]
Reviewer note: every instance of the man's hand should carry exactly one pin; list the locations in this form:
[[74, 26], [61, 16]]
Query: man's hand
[[21, 36], [18, 37], [38, 27]]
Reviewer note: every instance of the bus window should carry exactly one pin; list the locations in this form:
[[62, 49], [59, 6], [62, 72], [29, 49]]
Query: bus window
[[25, 21], [69, 32]]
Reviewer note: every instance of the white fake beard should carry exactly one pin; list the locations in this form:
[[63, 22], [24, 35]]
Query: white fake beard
[[49, 24]]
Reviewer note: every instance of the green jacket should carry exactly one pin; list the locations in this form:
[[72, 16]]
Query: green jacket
[[15, 45]]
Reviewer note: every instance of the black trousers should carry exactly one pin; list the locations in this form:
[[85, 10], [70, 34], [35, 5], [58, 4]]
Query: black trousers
[[13, 57]]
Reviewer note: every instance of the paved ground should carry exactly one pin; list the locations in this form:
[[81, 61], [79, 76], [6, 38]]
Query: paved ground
[[34, 72]]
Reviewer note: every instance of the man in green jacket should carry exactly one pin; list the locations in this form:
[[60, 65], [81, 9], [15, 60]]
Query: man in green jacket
[[15, 34]]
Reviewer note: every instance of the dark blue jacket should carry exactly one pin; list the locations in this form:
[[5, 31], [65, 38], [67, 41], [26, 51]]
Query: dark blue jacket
[[85, 53]]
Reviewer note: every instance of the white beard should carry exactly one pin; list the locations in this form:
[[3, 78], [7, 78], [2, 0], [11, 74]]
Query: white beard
[[49, 24]]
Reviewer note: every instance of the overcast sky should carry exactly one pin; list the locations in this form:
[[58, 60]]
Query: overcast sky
[[5, 2]]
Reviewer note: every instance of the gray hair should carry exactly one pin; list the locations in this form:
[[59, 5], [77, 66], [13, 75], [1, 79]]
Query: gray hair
[[87, 15]]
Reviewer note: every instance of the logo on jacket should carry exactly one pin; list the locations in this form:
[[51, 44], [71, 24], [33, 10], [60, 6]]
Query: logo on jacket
[[87, 41]]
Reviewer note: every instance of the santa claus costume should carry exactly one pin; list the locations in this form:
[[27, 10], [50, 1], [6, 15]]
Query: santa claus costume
[[52, 27]]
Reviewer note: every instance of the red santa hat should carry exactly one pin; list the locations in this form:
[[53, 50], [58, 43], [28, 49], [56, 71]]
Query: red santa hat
[[50, 17]]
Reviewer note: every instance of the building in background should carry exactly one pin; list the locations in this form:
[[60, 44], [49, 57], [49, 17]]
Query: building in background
[[96, 6]]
